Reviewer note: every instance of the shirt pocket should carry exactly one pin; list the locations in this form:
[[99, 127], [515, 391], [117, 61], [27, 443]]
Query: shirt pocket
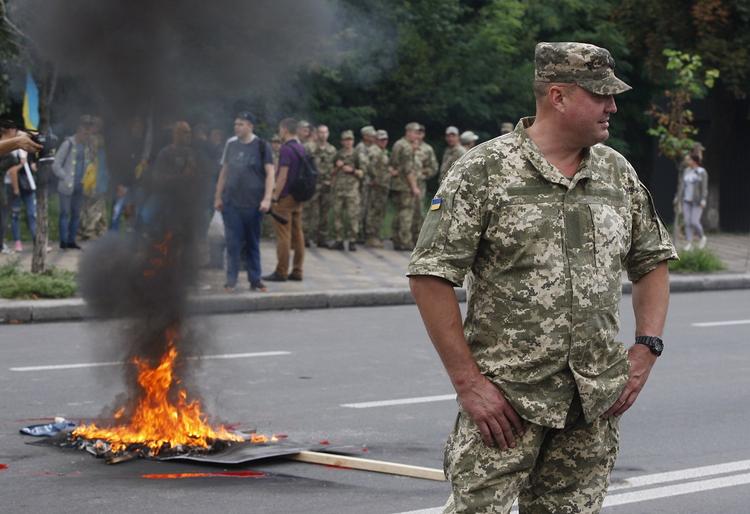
[[611, 233]]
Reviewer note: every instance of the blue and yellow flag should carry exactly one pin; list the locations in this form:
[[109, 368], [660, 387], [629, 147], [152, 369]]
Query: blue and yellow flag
[[31, 104]]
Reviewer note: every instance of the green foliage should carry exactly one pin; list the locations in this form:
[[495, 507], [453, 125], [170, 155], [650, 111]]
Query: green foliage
[[53, 283], [689, 81], [697, 261]]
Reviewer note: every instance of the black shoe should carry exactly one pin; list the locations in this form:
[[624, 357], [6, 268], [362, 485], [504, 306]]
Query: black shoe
[[322, 244], [274, 277], [296, 278], [307, 243], [338, 245], [74, 246], [63, 245], [258, 286], [352, 246]]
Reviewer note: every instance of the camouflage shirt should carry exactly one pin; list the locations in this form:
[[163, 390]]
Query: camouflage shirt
[[377, 158], [402, 159], [346, 183], [546, 254], [324, 157], [451, 155], [427, 165]]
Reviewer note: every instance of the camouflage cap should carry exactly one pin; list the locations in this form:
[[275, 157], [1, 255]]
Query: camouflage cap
[[588, 66], [412, 126], [506, 127], [382, 134], [451, 130], [347, 134], [276, 138], [303, 124], [367, 130]]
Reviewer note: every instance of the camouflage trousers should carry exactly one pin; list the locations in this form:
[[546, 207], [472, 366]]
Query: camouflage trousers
[[550, 470], [402, 220], [315, 215], [346, 203], [377, 201], [93, 223]]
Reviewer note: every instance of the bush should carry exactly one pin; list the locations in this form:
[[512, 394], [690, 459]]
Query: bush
[[53, 283], [696, 261]]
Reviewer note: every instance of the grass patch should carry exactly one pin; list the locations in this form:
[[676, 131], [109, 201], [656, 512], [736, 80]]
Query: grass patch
[[696, 261], [23, 285]]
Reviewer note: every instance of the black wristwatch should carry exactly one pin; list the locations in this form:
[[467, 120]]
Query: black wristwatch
[[655, 344]]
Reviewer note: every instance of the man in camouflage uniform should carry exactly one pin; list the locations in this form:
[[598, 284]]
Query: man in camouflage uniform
[[427, 167], [368, 141], [546, 218], [404, 188], [378, 186], [452, 152], [304, 132], [315, 211], [468, 139], [275, 149], [347, 176]]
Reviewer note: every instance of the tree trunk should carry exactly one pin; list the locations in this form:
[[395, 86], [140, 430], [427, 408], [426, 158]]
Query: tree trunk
[[44, 172]]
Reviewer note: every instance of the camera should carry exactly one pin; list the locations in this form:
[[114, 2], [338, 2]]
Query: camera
[[48, 141]]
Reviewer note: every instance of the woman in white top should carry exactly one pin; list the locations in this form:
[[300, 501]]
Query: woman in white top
[[693, 193]]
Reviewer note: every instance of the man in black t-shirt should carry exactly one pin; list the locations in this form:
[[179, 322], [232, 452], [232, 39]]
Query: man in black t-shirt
[[243, 194]]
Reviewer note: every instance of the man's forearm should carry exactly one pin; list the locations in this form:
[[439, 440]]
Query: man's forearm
[[442, 318], [220, 183], [651, 301]]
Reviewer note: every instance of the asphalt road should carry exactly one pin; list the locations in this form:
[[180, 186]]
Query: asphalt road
[[684, 445]]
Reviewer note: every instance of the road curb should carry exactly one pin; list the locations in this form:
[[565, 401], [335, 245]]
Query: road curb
[[75, 309]]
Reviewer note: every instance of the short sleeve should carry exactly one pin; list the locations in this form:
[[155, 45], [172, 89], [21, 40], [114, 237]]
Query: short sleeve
[[224, 153], [267, 153], [453, 227], [650, 243], [285, 156]]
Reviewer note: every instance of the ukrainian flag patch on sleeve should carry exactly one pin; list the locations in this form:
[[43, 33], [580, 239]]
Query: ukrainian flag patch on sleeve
[[436, 204]]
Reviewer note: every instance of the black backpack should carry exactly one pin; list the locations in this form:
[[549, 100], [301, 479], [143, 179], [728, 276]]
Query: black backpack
[[303, 187]]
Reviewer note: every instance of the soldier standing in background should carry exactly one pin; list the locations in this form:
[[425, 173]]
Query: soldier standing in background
[[347, 177], [453, 151], [426, 168], [303, 132], [379, 184], [368, 134], [506, 128], [404, 188], [315, 211]]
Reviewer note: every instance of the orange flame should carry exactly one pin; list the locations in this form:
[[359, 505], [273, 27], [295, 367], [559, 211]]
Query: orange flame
[[157, 422]]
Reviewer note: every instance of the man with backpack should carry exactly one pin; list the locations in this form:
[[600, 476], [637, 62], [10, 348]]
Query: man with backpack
[[289, 235], [243, 195]]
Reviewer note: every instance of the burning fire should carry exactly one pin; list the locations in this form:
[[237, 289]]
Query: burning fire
[[157, 422]]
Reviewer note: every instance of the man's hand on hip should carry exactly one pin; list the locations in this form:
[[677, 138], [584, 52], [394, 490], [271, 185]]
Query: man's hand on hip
[[496, 419], [641, 361]]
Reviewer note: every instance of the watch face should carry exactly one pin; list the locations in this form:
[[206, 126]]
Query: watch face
[[658, 346]]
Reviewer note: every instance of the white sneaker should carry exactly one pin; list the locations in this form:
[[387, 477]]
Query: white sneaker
[[6, 250], [688, 247], [702, 242]]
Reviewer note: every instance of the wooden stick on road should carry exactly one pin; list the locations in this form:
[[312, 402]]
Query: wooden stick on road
[[378, 466]]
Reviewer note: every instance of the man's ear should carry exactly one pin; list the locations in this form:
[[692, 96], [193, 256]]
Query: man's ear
[[557, 96]]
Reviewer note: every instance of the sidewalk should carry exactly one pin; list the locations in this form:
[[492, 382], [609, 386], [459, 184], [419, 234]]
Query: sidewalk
[[338, 279]]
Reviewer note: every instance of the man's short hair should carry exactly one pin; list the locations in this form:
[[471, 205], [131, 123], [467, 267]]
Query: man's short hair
[[289, 124], [542, 88]]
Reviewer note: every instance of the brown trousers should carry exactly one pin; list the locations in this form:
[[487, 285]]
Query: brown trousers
[[289, 236]]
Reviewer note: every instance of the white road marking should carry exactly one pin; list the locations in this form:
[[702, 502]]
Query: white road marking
[[54, 367], [722, 323], [654, 493], [402, 401]]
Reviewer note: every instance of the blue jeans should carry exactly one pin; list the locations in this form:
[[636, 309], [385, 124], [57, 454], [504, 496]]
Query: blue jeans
[[242, 228], [118, 208], [26, 199], [70, 215]]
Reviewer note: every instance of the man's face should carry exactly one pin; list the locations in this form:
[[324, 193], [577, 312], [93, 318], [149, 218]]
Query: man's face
[[303, 133], [411, 135], [276, 145], [242, 128], [451, 139], [382, 143], [323, 134], [587, 115], [347, 143]]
